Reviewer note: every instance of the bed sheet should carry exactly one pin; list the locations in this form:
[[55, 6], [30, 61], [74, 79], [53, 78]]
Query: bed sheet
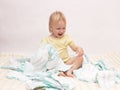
[[113, 60]]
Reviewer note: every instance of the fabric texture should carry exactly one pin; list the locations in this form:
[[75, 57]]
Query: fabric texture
[[38, 70], [98, 72]]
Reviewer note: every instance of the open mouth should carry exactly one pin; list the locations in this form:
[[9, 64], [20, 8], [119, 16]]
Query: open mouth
[[60, 34]]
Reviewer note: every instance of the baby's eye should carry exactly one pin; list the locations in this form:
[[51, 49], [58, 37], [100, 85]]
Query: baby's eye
[[64, 28], [58, 28]]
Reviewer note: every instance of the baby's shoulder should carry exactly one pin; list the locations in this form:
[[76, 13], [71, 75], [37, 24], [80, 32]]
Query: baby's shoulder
[[67, 36]]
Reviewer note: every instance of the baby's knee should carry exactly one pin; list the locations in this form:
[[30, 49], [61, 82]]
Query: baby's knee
[[80, 58], [80, 54]]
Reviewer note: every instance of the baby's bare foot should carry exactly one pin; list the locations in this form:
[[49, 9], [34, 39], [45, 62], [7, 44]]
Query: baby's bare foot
[[62, 74], [69, 74]]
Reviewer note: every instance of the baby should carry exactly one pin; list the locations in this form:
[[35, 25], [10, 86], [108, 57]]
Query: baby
[[60, 41]]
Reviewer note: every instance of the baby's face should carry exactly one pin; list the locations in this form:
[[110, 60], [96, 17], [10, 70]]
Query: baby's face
[[58, 29]]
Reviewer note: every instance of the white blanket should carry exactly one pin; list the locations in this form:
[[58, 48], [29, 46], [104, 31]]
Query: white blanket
[[99, 73], [42, 68]]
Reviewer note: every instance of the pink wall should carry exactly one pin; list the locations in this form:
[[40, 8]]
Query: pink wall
[[93, 24]]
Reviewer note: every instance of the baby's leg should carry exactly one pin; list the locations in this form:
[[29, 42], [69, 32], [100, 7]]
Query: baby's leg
[[77, 62]]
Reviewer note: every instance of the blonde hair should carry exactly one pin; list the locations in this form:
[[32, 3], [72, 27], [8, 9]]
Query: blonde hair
[[56, 17]]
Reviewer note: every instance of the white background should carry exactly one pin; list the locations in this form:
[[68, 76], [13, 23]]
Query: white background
[[93, 24]]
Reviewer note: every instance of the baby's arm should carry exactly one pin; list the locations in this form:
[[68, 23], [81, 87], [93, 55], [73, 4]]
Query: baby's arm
[[78, 50]]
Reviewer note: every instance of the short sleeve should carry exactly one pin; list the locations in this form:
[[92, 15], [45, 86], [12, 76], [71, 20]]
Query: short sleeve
[[70, 41]]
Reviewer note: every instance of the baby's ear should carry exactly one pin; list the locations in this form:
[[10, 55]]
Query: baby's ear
[[51, 29]]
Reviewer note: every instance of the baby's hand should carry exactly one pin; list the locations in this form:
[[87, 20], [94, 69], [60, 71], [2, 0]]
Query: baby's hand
[[79, 51]]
